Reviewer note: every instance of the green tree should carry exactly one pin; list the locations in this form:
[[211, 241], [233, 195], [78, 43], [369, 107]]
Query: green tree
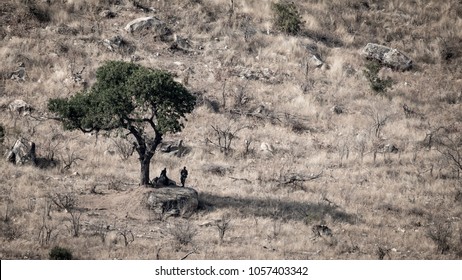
[[145, 102]]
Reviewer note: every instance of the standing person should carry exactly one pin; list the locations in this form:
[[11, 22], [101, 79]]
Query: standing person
[[183, 175]]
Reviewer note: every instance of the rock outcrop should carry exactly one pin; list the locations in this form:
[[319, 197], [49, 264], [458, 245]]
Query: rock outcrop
[[387, 56], [22, 151], [158, 27], [173, 201]]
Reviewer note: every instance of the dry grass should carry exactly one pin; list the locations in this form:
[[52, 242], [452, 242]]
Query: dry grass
[[403, 205]]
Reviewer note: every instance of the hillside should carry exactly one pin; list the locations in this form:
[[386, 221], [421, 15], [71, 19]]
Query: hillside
[[309, 143]]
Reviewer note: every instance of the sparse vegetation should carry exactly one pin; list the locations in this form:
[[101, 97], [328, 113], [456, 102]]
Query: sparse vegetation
[[286, 17], [285, 135], [130, 97]]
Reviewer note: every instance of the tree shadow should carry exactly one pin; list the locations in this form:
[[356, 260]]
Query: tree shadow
[[276, 208]]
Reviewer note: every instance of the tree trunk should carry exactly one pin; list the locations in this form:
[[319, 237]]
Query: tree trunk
[[144, 178]]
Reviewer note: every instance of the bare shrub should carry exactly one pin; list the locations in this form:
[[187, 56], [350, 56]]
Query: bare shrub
[[448, 142], [225, 137], [74, 218], [68, 201], [68, 159], [182, 233], [123, 147], [223, 225], [64, 201]]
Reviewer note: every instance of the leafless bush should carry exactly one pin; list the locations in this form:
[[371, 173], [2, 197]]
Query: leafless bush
[[183, 233], [68, 201], [448, 142], [68, 159], [74, 218], [223, 225], [224, 139], [64, 201], [379, 119], [123, 147]]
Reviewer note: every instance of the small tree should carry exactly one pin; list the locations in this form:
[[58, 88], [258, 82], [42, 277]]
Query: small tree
[[286, 17], [146, 102]]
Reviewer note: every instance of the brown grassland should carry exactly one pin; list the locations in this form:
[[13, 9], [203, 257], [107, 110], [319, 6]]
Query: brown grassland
[[325, 167]]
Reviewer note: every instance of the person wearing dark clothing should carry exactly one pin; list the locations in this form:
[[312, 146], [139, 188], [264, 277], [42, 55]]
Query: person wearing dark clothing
[[183, 175], [163, 180]]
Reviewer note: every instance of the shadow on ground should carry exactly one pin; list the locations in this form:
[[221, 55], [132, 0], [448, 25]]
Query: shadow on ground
[[276, 208]]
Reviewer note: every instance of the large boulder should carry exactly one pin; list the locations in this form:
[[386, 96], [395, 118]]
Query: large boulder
[[387, 56], [157, 26], [22, 151], [173, 201]]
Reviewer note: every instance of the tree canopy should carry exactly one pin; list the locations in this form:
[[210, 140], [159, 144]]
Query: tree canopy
[[146, 102]]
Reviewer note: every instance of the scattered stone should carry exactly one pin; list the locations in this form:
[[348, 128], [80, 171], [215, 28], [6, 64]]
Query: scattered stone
[[387, 56], [174, 201]]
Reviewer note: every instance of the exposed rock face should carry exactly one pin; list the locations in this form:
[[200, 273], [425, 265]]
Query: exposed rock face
[[173, 201], [22, 152], [387, 56], [157, 26]]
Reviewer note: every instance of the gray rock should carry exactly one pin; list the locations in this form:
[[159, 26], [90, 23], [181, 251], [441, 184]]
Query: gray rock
[[176, 201], [157, 26], [20, 74], [22, 151], [20, 107], [388, 56]]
